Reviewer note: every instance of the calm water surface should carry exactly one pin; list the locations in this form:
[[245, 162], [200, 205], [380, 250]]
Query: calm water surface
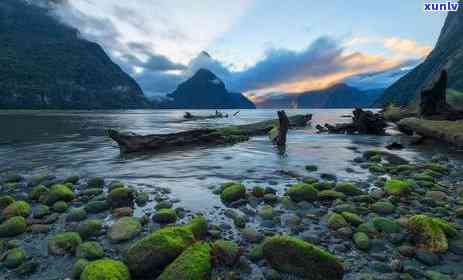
[[74, 142]]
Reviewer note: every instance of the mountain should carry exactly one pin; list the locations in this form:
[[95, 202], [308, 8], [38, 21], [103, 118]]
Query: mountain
[[205, 91], [45, 64], [447, 54], [337, 96]]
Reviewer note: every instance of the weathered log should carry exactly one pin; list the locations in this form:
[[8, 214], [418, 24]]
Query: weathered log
[[280, 139], [363, 122], [190, 117], [130, 142]]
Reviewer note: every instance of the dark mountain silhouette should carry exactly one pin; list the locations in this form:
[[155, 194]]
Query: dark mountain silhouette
[[205, 91], [447, 54], [337, 96], [45, 64]]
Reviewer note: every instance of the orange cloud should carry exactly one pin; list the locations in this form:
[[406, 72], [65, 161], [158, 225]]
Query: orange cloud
[[406, 47]]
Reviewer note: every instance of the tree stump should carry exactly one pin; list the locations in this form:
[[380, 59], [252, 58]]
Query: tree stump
[[280, 139]]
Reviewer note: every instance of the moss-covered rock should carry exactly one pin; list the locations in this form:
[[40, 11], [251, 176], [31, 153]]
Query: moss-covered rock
[[142, 198], [124, 229], [383, 207], [64, 243], [347, 188], [13, 226], [72, 180], [96, 182], [256, 253], [17, 208], [437, 167], [352, 218], [40, 211], [121, 197], [90, 228], [76, 214], [302, 192], [96, 206], [38, 191], [386, 225], [336, 221], [6, 200], [295, 256], [60, 206], [15, 258], [105, 269], [78, 268], [226, 252], [90, 250], [194, 263], [430, 234], [233, 192], [58, 192], [258, 192], [165, 216], [398, 187], [362, 241], [151, 254], [330, 195]]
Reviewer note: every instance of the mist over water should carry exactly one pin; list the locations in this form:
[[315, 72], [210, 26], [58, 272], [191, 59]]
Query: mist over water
[[65, 143]]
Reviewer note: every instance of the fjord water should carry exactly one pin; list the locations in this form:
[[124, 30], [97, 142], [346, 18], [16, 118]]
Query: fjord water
[[66, 143]]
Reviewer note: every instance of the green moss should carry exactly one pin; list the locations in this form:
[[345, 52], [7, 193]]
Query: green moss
[[76, 214], [325, 185], [60, 206], [40, 211], [430, 233], [90, 228], [105, 269], [266, 212], [347, 188], [78, 268], [394, 114], [90, 251], [96, 206], [398, 187], [295, 256], [362, 241], [15, 258], [256, 253], [258, 192], [124, 229], [193, 264], [142, 198], [331, 195], [13, 226], [376, 168], [437, 167], [151, 254], [165, 216], [59, 193], [352, 218], [383, 207], [226, 252], [97, 182], [302, 192], [336, 221], [6, 200], [120, 197], [386, 225], [37, 192], [71, 179], [233, 193], [64, 243], [17, 208]]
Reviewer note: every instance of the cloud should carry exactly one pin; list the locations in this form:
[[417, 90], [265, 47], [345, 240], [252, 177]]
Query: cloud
[[156, 47], [407, 47]]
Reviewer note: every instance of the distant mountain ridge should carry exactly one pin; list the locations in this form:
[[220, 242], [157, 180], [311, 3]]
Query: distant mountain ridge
[[447, 54], [204, 90], [337, 96], [45, 64]]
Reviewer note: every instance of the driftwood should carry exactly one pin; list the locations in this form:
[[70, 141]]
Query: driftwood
[[190, 117], [433, 102], [280, 139], [130, 142], [363, 122]]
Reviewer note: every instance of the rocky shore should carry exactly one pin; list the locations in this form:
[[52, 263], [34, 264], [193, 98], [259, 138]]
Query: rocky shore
[[403, 222]]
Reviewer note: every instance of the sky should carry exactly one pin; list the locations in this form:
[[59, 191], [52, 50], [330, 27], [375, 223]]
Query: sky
[[258, 47]]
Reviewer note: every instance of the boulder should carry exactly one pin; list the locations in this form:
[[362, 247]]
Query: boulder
[[64, 243], [302, 192], [233, 192], [295, 256], [105, 269], [124, 229], [13, 226]]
